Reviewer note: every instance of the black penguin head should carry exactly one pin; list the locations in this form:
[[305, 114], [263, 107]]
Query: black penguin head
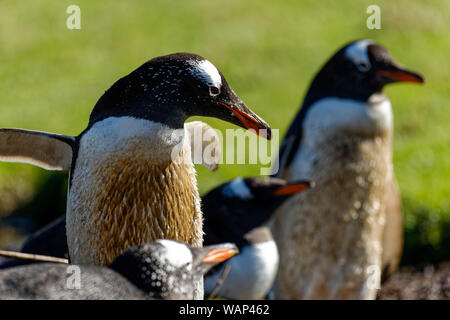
[[360, 69], [260, 197], [233, 209], [274, 190], [171, 88], [167, 269]]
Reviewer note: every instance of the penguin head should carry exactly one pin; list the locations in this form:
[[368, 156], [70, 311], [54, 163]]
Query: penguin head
[[171, 88], [246, 203], [264, 195], [360, 69], [167, 269], [273, 189]]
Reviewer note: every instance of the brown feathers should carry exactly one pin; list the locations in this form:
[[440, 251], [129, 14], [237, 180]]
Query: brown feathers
[[134, 185], [136, 202]]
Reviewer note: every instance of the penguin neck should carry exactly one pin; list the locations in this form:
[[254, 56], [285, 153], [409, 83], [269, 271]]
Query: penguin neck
[[171, 116], [333, 116], [120, 136]]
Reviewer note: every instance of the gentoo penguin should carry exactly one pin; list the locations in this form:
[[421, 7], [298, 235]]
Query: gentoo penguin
[[51, 240], [330, 237], [163, 269], [132, 179], [236, 212]]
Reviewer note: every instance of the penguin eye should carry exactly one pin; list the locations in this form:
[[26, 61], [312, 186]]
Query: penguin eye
[[363, 66], [214, 91]]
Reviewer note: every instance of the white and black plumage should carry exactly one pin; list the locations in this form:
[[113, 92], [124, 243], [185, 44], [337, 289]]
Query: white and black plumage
[[236, 212], [131, 175], [330, 237], [163, 269]]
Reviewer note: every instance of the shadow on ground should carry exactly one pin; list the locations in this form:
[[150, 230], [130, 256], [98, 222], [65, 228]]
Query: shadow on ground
[[47, 204]]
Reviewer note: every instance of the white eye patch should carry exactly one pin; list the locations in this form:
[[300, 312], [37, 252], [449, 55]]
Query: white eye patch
[[237, 188], [177, 254], [357, 53], [206, 72]]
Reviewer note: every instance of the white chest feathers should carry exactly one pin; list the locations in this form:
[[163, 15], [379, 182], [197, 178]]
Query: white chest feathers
[[331, 115], [251, 274], [330, 119], [118, 136], [133, 182]]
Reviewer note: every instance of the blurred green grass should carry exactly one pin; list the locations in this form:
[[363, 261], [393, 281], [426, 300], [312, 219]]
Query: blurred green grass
[[51, 77]]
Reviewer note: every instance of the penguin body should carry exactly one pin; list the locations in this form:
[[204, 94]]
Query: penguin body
[[126, 208], [163, 269], [330, 237], [328, 249], [238, 211]]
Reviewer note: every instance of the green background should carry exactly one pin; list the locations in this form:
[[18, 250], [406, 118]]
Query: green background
[[51, 77]]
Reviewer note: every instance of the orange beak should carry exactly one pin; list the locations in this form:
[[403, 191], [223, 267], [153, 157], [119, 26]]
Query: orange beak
[[401, 75], [293, 188], [250, 122], [220, 255]]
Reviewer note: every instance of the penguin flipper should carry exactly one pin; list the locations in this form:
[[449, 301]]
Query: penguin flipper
[[46, 150], [208, 152]]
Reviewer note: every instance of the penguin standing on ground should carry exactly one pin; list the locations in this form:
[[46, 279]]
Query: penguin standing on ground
[[236, 212], [330, 238], [163, 269], [132, 179]]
